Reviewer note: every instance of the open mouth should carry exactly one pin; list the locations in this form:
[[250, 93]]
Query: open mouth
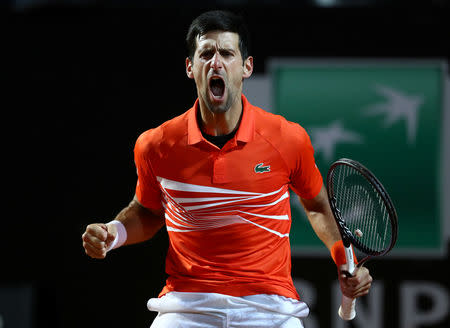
[[217, 86]]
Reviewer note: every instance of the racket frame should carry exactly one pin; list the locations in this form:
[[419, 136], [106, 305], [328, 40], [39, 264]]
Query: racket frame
[[347, 236], [347, 309]]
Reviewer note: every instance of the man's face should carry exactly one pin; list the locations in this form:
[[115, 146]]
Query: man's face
[[218, 70]]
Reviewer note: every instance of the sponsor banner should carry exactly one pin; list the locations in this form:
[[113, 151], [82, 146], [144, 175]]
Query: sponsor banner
[[404, 294], [384, 114]]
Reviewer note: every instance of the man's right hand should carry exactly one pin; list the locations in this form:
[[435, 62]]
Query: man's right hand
[[97, 238]]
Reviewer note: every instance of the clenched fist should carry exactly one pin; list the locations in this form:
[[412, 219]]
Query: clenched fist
[[98, 238]]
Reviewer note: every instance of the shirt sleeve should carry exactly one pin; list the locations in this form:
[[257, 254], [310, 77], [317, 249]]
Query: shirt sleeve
[[148, 192], [306, 180]]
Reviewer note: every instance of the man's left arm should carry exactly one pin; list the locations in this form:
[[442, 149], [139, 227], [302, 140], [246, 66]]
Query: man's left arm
[[322, 221]]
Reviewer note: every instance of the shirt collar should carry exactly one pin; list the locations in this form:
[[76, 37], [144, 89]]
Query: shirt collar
[[245, 131]]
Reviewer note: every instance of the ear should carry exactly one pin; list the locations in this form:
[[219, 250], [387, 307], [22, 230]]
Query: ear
[[189, 71], [248, 67]]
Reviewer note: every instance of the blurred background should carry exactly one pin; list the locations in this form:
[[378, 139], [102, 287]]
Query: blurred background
[[81, 80]]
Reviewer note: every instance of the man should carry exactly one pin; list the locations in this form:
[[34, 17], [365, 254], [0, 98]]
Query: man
[[218, 177]]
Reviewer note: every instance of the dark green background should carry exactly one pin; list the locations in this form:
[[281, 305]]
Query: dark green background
[[317, 94]]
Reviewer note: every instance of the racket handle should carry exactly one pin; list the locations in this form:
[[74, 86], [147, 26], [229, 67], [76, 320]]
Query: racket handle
[[347, 308]]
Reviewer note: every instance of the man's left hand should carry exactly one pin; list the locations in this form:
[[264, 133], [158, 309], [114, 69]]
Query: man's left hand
[[357, 285]]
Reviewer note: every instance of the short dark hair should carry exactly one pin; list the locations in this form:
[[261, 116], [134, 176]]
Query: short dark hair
[[218, 20]]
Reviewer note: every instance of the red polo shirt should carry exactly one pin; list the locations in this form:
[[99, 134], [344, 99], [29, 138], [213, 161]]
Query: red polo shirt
[[227, 210]]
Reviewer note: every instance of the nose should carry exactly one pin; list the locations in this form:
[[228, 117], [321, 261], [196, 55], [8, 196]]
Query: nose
[[216, 62]]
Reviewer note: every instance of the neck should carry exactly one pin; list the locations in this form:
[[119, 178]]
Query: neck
[[218, 124]]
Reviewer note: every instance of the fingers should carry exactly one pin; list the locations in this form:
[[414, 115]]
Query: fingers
[[98, 230], [361, 291], [94, 240], [362, 276], [358, 285], [358, 290], [94, 252]]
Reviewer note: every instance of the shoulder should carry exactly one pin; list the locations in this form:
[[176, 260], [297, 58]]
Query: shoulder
[[168, 132], [280, 131]]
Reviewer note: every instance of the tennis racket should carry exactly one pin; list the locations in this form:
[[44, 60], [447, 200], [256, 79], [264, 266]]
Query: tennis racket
[[364, 214]]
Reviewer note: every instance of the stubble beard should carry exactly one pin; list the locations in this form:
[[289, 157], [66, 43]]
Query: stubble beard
[[222, 108]]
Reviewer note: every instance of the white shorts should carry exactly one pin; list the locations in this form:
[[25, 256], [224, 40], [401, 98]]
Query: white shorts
[[212, 310]]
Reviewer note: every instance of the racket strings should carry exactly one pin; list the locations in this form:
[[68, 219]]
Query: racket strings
[[363, 209]]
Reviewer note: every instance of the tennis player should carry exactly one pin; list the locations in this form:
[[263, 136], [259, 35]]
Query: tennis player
[[218, 178]]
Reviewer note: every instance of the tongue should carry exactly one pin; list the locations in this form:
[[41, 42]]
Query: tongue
[[217, 88]]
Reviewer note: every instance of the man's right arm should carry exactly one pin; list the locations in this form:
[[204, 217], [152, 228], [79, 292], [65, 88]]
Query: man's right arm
[[140, 224]]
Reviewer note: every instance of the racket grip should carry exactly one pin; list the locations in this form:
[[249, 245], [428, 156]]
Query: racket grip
[[347, 309]]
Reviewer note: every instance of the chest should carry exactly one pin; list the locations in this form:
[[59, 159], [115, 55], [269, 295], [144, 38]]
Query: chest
[[252, 167]]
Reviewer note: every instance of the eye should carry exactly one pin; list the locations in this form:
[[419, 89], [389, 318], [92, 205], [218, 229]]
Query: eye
[[226, 53], [206, 54]]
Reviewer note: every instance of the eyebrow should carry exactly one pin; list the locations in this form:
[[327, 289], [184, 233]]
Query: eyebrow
[[209, 47], [227, 49]]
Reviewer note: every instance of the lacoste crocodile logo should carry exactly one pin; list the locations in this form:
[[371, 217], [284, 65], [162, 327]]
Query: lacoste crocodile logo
[[259, 168]]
